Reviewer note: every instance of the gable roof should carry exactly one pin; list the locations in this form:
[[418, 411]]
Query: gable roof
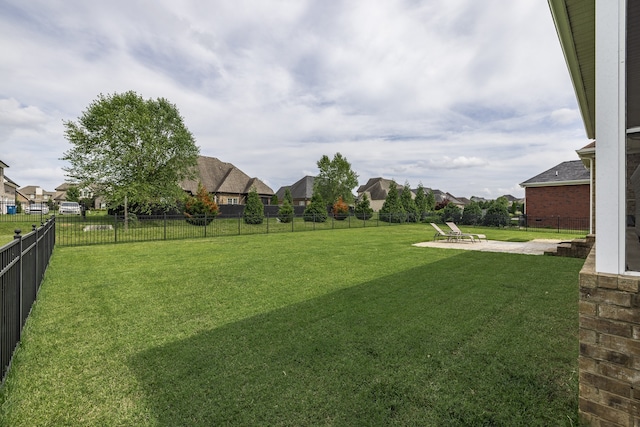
[[571, 172], [378, 188], [221, 177], [300, 190]]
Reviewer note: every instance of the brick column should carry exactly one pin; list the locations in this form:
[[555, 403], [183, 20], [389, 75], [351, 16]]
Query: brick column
[[609, 347]]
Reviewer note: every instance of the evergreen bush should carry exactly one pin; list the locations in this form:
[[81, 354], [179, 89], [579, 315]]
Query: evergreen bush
[[316, 211], [254, 209], [392, 210], [363, 208]]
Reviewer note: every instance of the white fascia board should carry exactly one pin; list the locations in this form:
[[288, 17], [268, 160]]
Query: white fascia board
[[556, 183]]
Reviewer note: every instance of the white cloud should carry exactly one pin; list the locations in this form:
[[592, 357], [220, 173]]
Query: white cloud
[[459, 95]]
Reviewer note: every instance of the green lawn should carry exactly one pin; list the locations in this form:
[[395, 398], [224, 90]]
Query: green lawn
[[348, 327]]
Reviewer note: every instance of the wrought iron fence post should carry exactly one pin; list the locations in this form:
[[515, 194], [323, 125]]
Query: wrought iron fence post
[[165, 226], [20, 285], [206, 222], [267, 222], [239, 223], [115, 227]]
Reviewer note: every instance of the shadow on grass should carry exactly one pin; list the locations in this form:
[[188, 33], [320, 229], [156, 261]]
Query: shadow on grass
[[416, 348]]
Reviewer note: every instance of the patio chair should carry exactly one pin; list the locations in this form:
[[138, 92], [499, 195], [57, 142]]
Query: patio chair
[[449, 236], [454, 228]]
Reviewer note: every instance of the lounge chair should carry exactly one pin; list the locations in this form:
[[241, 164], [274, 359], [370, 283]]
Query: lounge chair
[[449, 236], [454, 228]]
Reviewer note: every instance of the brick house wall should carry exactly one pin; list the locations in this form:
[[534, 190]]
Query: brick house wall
[[568, 201], [609, 361]]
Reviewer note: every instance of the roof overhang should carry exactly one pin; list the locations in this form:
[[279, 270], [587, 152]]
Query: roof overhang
[[555, 183], [575, 24]]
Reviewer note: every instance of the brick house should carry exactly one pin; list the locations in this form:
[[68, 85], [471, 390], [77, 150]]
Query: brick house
[[558, 194]]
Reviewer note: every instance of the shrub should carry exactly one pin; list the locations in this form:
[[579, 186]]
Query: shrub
[[363, 208], [316, 211], [472, 214], [201, 209], [497, 215], [340, 209], [451, 213], [285, 213], [254, 209]]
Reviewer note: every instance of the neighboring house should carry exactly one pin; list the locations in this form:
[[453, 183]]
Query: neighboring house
[[588, 156], [560, 192], [228, 184], [377, 190], [600, 40], [35, 194], [7, 190], [301, 191], [85, 193]]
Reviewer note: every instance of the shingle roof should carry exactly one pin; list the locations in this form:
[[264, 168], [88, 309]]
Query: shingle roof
[[566, 173], [220, 177], [378, 188], [300, 190]]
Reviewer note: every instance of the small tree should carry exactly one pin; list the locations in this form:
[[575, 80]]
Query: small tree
[[254, 209], [472, 214], [201, 209], [408, 204], [288, 196], [340, 209], [285, 213], [392, 210], [316, 211], [497, 215], [73, 194], [431, 201], [363, 208], [421, 202], [274, 200]]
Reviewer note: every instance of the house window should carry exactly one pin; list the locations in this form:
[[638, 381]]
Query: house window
[[232, 200]]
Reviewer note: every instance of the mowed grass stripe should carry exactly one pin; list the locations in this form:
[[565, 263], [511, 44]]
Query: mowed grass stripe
[[354, 327]]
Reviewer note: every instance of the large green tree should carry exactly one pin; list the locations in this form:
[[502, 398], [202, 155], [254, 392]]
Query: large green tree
[[335, 179], [131, 149]]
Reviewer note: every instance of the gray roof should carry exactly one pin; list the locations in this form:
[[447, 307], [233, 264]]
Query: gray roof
[[220, 177], [378, 188], [301, 190], [566, 173]]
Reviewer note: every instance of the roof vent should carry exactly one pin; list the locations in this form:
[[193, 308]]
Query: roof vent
[[556, 173]]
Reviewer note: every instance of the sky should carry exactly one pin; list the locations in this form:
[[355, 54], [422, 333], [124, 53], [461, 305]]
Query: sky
[[469, 97]]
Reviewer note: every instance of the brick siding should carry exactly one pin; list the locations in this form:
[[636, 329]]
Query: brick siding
[[609, 361], [567, 201]]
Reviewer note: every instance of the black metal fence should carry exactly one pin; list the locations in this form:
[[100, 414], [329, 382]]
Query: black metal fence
[[22, 266], [100, 229], [558, 223]]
